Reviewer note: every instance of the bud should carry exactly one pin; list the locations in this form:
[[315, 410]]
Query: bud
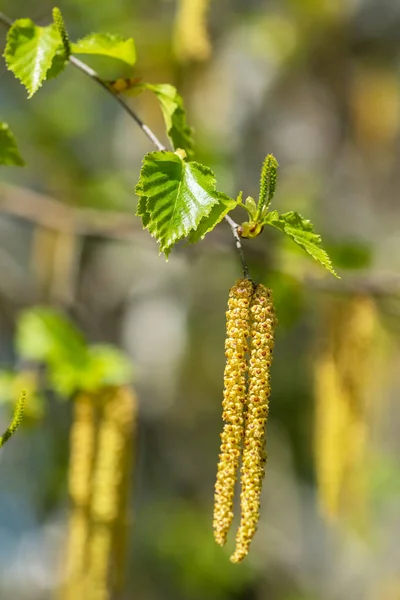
[[263, 323], [236, 346]]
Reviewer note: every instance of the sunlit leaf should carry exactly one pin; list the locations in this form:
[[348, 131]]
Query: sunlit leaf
[[179, 132], [301, 231], [175, 196], [107, 44], [30, 52], [216, 215]]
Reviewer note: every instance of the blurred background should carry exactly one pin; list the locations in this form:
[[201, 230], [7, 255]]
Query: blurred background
[[317, 83]]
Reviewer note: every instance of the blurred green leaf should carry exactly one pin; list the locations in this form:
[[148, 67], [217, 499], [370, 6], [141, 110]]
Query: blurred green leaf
[[185, 544], [301, 231], [107, 44], [351, 255], [107, 366], [45, 335], [9, 154], [179, 132], [175, 196], [30, 52]]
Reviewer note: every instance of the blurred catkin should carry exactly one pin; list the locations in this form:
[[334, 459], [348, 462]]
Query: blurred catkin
[[236, 347], [191, 39], [82, 448], [342, 379], [108, 476], [263, 323]]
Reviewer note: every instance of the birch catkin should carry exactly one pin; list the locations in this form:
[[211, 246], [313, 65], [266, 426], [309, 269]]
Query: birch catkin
[[254, 454], [236, 346]]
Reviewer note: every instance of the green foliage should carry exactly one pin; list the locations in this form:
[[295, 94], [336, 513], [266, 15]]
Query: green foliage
[[179, 132], [268, 181], [351, 255], [9, 154], [32, 52], [46, 336], [301, 231], [175, 197], [186, 548], [16, 420], [60, 25], [107, 44]]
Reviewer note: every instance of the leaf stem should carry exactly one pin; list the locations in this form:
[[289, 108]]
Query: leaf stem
[[84, 68]]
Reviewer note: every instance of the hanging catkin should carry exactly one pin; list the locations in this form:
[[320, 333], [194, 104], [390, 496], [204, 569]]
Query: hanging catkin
[[342, 375], [236, 346], [263, 323], [107, 478], [82, 447], [191, 39]]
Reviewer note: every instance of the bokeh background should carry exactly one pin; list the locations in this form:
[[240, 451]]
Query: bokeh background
[[317, 83]]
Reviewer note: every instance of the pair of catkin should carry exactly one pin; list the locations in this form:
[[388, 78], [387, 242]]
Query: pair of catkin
[[250, 324]]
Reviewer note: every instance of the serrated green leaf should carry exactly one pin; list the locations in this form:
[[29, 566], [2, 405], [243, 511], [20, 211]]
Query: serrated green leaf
[[216, 215], [9, 154], [30, 52], [178, 196], [142, 211], [179, 132], [107, 44], [301, 231]]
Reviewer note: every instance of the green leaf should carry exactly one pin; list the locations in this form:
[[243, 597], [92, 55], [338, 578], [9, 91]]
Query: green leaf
[[107, 366], [107, 44], [179, 132], [9, 154], [301, 231], [268, 181], [350, 254], [216, 215], [44, 335], [178, 196], [30, 52]]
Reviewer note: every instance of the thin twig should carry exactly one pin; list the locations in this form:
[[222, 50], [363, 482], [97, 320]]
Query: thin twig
[[234, 227], [84, 68]]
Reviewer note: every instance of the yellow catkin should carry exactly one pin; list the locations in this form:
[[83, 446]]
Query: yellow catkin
[[254, 454], [82, 447], [128, 423], [236, 346], [191, 38], [342, 377], [107, 479]]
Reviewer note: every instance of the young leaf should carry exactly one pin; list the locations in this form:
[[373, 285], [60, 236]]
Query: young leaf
[[216, 215], [178, 196], [179, 132], [30, 52], [9, 154], [107, 44], [16, 420], [267, 182], [301, 231]]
